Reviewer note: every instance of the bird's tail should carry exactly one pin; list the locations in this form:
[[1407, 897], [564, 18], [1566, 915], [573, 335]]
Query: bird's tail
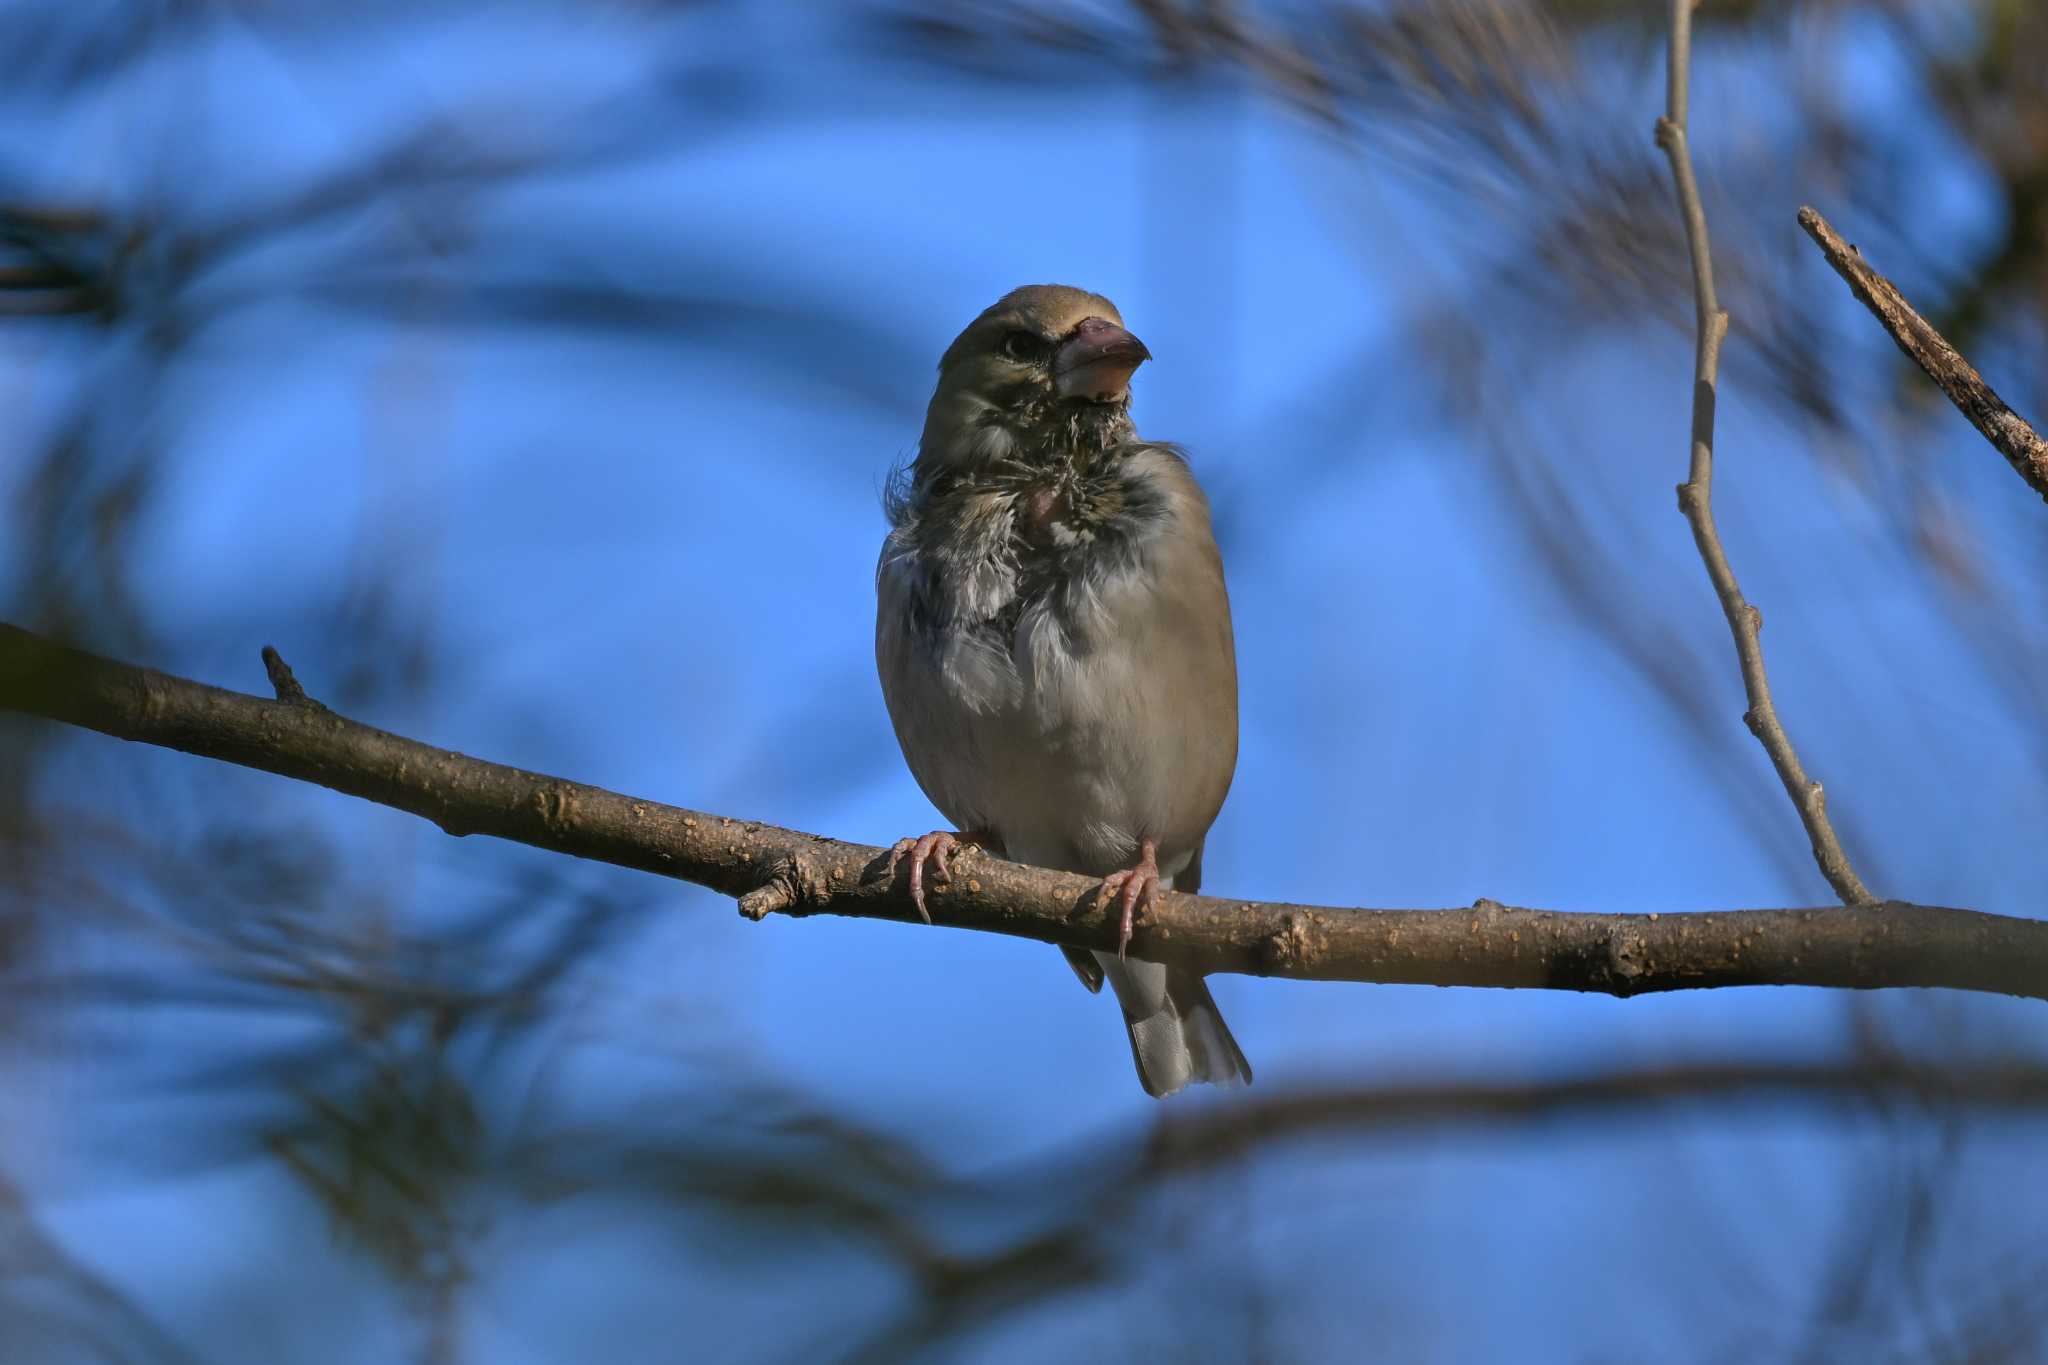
[[1177, 1033]]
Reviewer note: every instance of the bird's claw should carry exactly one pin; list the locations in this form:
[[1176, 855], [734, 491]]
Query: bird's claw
[[1135, 887], [934, 848]]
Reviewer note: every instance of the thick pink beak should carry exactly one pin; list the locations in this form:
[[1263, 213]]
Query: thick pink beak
[[1097, 360]]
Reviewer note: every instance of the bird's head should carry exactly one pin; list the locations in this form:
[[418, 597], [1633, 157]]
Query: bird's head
[[1043, 357]]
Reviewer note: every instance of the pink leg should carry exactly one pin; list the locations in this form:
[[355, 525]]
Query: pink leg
[[1137, 886], [935, 848]]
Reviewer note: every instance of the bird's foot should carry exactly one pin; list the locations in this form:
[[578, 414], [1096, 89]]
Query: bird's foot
[[934, 848], [1137, 887]]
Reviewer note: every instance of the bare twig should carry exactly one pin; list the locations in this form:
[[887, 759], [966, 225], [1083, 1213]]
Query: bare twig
[[2009, 432], [774, 870], [1696, 494], [282, 680]]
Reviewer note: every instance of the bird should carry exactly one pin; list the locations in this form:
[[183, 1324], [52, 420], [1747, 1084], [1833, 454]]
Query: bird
[[1053, 637]]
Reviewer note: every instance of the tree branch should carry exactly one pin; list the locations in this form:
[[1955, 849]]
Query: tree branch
[[2009, 432], [1696, 494], [774, 870]]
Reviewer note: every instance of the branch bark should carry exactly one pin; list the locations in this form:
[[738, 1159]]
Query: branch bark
[[2009, 433], [1696, 494], [774, 870]]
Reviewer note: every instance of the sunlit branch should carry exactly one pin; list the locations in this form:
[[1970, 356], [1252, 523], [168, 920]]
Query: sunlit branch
[[776, 870], [2009, 433], [1696, 494]]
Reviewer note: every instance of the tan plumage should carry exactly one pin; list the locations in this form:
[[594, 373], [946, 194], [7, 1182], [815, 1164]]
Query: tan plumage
[[1053, 637]]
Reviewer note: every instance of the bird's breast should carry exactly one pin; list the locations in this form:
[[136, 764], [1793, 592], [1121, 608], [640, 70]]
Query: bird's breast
[[1059, 522], [1060, 667]]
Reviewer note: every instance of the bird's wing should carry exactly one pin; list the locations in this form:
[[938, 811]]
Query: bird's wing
[[1085, 966], [1191, 697]]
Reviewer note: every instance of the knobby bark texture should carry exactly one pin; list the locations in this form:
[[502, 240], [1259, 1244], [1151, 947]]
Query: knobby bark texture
[[1696, 494], [775, 870], [2009, 433]]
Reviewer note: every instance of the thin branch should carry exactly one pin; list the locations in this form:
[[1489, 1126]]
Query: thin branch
[[2009, 432], [774, 870], [1696, 494]]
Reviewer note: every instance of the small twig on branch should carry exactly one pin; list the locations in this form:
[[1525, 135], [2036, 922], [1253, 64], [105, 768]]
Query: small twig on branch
[[774, 870], [1696, 494], [282, 680], [2009, 432]]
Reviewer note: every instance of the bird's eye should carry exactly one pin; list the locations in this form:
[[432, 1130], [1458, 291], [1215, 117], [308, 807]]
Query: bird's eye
[[1023, 346]]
